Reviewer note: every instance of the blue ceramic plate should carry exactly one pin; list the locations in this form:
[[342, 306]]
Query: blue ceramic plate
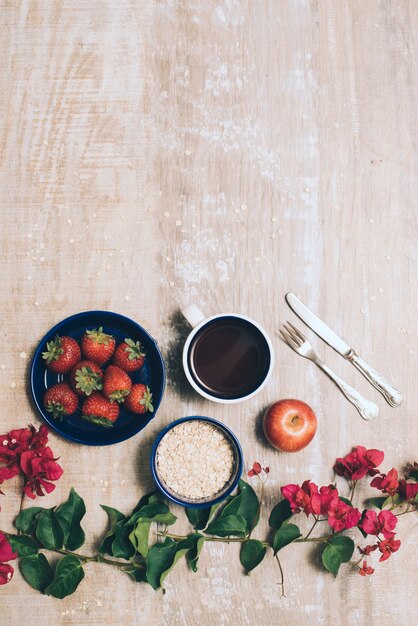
[[229, 487], [152, 373]]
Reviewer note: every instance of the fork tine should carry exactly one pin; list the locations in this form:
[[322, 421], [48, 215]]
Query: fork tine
[[287, 338], [299, 334], [294, 335]]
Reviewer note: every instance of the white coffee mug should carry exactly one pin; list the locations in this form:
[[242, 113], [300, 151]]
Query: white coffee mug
[[198, 321]]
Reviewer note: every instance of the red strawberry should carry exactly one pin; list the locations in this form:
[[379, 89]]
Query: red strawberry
[[129, 355], [97, 345], [116, 384], [86, 377], [61, 354], [60, 400], [99, 410], [139, 400]]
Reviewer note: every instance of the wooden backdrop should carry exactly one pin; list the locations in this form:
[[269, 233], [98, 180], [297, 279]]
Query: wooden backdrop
[[161, 152]]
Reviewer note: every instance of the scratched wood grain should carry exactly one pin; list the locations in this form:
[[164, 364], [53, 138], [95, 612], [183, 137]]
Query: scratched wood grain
[[159, 153]]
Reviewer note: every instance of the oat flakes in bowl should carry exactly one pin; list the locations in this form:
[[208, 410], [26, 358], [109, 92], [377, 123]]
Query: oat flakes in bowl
[[196, 461]]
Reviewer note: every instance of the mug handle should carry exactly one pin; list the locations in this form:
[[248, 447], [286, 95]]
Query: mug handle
[[193, 315]]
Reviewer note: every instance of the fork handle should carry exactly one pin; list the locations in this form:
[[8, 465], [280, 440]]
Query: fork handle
[[368, 410], [391, 395]]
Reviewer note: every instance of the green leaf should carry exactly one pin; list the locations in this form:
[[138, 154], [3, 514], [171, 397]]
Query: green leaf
[[251, 554], [159, 559], [377, 502], [285, 535], [228, 526], [155, 512], [23, 545], [36, 571], [182, 549], [193, 554], [69, 515], [139, 537], [345, 547], [49, 531], [200, 517], [362, 531], [138, 574], [245, 504], [331, 559], [115, 516], [414, 474], [27, 519], [149, 498], [346, 500], [121, 546], [339, 550], [68, 575], [279, 514]]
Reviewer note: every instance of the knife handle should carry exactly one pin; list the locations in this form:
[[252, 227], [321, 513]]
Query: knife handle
[[391, 395], [368, 410]]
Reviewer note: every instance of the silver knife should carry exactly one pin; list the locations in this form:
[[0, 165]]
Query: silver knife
[[391, 395]]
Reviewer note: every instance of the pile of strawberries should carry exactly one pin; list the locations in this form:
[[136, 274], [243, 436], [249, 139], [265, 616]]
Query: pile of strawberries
[[101, 389]]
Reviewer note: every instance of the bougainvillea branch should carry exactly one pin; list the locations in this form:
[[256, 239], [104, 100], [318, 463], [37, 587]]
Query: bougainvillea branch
[[149, 556]]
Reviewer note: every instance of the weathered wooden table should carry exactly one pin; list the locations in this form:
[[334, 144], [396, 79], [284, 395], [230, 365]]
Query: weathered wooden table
[[159, 153]]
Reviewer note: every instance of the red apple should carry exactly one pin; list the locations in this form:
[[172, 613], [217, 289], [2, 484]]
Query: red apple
[[289, 425]]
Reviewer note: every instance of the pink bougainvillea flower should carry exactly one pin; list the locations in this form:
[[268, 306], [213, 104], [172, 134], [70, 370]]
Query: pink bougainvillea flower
[[366, 570], [384, 523], [406, 490], [321, 501], [39, 467], [387, 547], [300, 497], [388, 483], [6, 552], [255, 470], [359, 463], [6, 573], [342, 516], [368, 549]]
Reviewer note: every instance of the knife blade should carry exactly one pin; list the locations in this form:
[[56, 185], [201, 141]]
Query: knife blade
[[317, 325], [391, 395]]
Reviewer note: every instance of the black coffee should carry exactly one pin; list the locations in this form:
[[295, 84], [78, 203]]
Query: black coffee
[[229, 358]]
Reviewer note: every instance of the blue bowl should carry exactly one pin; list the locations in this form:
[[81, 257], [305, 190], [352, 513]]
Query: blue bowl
[[232, 483], [152, 373]]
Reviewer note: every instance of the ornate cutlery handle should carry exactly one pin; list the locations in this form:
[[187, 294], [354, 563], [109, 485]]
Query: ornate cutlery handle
[[368, 410], [391, 395]]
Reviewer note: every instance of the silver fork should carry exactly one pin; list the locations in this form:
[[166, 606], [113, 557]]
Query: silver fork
[[298, 342]]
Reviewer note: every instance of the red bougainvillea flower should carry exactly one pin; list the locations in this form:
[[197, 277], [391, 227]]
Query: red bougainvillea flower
[[365, 570], [300, 498], [387, 547], [359, 463], [39, 467], [384, 523], [25, 450], [255, 470], [406, 490], [321, 501], [6, 554], [342, 516], [6, 573], [388, 483], [368, 549]]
